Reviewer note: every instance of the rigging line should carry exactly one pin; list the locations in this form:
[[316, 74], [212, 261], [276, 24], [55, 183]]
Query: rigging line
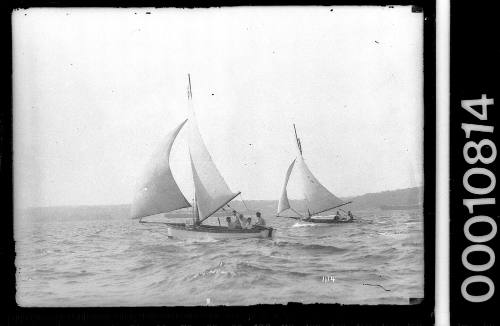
[[328, 209], [296, 212], [233, 209], [243, 202], [346, 212]]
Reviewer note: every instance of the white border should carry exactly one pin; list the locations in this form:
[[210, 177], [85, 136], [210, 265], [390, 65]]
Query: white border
[[442, 285]]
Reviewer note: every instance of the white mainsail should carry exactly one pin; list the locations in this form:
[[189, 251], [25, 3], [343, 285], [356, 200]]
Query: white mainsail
[[318, 198], [157, 191], [283, 203], [211, 190]]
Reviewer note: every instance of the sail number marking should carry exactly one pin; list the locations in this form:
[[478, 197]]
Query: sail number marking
[[482, 153]]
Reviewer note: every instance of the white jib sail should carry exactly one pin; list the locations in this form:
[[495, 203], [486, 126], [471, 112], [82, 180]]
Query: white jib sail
[[283, 203], [157, 190], [318, 198], [211, 190]]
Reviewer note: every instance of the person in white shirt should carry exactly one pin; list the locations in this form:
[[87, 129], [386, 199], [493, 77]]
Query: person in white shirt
[[230, 224], [237, 222], [242, 221]]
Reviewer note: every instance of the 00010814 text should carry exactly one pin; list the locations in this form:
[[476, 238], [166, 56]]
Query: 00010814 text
[[476, 150]]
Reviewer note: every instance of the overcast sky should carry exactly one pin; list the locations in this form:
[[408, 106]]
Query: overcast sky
[[96, 90]]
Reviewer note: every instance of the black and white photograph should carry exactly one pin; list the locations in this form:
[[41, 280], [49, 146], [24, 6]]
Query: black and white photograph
[[229, 156]]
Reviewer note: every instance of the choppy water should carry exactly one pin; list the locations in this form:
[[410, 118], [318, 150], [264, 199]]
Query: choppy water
[[68, 259]]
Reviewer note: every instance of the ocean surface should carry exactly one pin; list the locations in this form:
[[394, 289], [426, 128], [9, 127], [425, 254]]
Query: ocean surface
[[86, 257]]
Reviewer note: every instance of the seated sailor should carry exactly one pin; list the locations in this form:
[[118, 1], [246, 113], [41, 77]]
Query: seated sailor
[[230, 224], [248, 224], [233, 225], [336, 217], [350, 216], [260, 220], [237, 222], [241, 220]]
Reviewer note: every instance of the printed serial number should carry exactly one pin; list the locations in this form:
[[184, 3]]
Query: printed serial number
[[482, 152]]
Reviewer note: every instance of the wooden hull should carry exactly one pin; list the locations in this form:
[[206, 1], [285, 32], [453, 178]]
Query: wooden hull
[[209, 232], [320, 220], [327, 220]]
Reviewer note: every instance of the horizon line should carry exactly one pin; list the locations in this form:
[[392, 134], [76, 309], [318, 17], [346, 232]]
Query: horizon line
[[239, 200]]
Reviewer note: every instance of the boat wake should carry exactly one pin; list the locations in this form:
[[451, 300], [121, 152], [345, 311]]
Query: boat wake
[[304, 224], [200, 240], [220, 269], [311, 247]]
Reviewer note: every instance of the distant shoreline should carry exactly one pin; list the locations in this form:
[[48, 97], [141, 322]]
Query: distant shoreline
[[406, 197]]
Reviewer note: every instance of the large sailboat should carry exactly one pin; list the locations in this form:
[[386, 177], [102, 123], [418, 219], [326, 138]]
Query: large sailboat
[[158, 192], [318, 199]]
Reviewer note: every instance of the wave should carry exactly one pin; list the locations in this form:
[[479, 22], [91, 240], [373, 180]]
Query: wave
[[44, 270], [304, 224], [210, 272], [123, 263], [141, 268], [261, 273], [412, 244], [373, 258], [206, 240], [76, 274], [158, 284], [159, 248]]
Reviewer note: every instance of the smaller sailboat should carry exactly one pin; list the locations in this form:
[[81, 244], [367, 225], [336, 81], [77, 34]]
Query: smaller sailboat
[[318, 199], [158, 192]]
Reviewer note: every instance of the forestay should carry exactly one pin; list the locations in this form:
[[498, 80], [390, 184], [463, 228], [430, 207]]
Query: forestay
[[283, 203], [318, 198], [157, 191]]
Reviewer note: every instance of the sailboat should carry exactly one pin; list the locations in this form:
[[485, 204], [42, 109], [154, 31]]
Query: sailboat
[[158, 192], [318, 199]]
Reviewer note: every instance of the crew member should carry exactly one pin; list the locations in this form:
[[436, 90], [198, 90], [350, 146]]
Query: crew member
[[260, 220], [237, 222], [230, 225], [337, 216], [241, 220], [350, 216]]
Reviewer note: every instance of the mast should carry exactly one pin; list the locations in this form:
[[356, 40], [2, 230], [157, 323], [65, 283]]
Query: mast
[[318, 198], [299, 146], [189, 92], [297, 139], [211, 190], [196, 213]]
